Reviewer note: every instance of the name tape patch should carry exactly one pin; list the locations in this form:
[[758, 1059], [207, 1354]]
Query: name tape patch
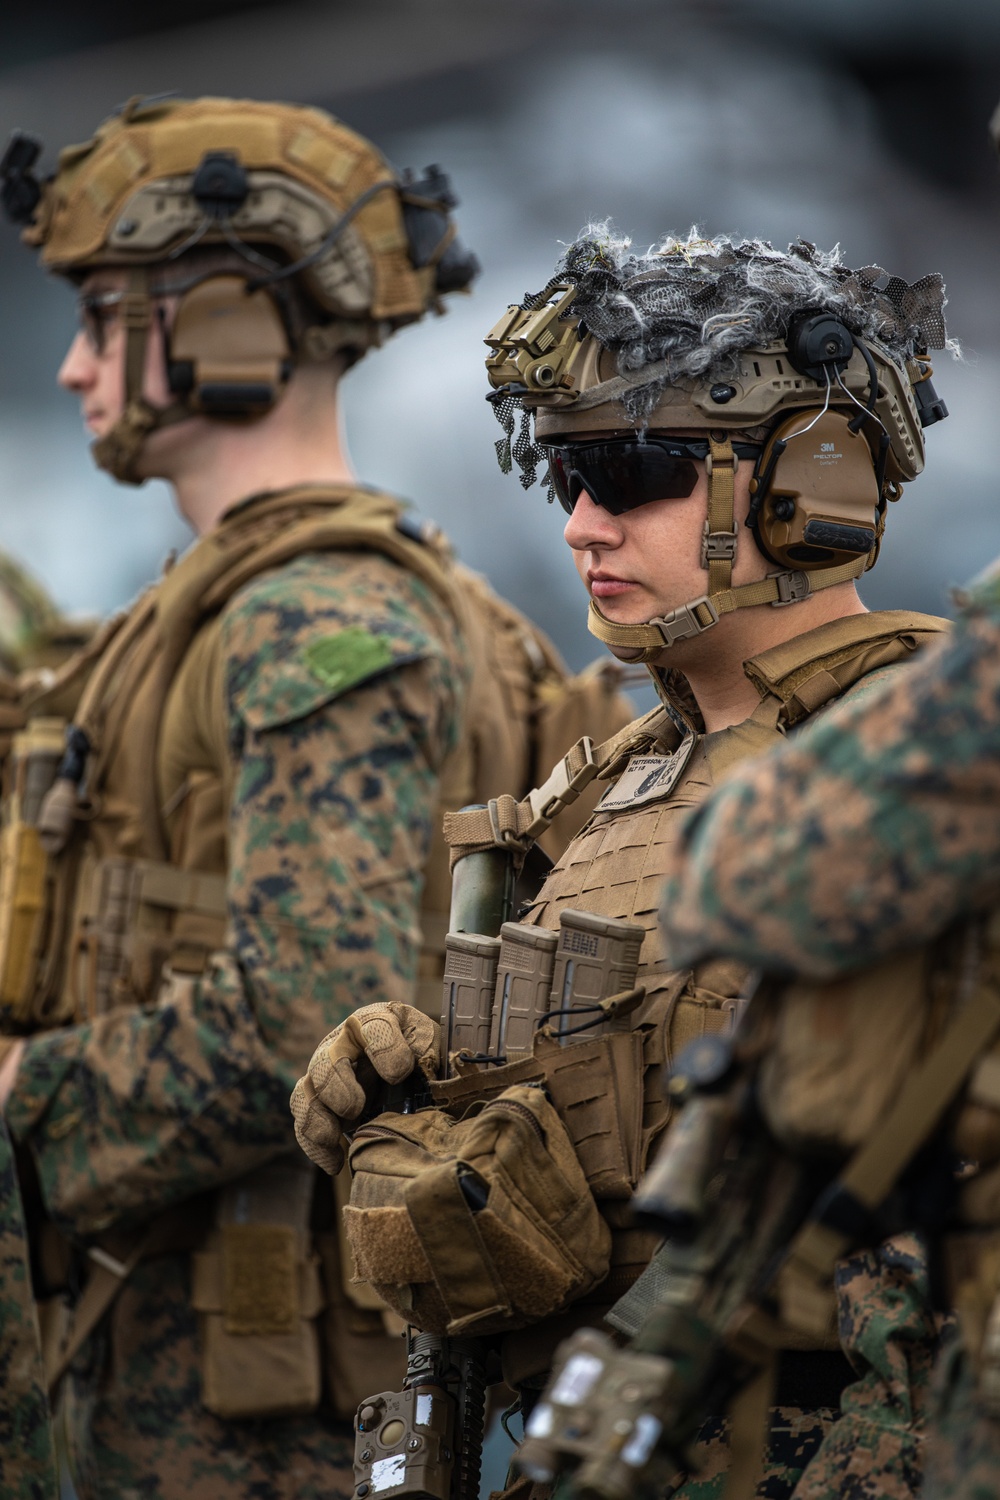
[[647, 778]]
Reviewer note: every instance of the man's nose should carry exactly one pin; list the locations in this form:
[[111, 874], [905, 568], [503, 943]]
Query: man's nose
[[78, 368], [591, 527]]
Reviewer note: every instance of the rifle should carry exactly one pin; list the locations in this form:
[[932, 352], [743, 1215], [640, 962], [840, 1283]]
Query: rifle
[[753, 1233]]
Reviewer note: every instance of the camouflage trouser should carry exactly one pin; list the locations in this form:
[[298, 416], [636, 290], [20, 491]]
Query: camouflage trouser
[[794, 1437], [891, 1335], [27, 1459], [137, 1429], [963, 1439]]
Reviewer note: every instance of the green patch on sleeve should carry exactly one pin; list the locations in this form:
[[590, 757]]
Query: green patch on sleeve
[[342, 660]]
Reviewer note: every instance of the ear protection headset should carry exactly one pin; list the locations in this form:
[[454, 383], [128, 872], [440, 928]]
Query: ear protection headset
[[817, 494], [818, 491], [229, 352]]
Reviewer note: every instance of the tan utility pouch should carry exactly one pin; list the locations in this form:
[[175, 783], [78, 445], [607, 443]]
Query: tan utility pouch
[[133, 917], [594, 1086], [364, 1348], [478, 1225], [841, 1051], [257, 1291], [25, 877]]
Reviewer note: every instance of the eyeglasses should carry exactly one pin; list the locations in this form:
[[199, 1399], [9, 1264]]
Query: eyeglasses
[[621, 474], [97, 311]]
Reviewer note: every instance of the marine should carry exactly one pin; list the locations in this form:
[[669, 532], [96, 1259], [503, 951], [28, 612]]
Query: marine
[[724, 425], [230, 845], [873, 841]]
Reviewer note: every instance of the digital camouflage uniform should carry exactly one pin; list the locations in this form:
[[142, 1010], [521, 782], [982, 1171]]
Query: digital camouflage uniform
[[32, 633], [27, 1458], [340, 680], [874, 832]]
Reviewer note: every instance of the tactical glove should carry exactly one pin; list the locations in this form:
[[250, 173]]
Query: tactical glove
[[379, 1042]]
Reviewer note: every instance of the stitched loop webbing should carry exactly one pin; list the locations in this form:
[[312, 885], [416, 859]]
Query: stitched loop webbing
[[719, 545], [507, 823]]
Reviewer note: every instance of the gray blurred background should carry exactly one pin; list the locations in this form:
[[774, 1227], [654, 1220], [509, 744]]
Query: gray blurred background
[[862, 122]]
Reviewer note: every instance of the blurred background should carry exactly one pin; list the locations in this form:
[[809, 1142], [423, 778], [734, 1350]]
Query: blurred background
[[863, 122]]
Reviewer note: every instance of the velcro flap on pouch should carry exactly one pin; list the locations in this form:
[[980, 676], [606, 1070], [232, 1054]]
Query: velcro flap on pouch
[[385, 1246], [449, 1232]]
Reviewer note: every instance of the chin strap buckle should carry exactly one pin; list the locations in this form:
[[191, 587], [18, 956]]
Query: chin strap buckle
[[686, 622], [792, 588], [718, 546]]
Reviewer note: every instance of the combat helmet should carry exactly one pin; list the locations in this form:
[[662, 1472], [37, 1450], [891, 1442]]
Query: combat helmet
[[825, 370], [321, 248]]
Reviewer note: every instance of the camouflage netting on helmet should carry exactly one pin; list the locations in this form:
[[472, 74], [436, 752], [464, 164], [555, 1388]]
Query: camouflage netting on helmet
[[691, 306]]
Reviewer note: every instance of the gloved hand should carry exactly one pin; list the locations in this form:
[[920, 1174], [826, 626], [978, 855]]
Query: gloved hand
[[391, 1037]]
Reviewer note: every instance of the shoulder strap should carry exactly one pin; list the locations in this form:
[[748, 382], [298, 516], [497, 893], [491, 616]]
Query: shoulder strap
[[268, 533], [279, 528], [808, 671], [510, 824]]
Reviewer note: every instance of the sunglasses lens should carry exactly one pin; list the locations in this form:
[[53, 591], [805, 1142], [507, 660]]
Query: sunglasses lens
[[562, 482], [620, 476]]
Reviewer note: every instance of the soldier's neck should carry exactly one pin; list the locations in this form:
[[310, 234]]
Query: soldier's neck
[[713, 663], [219, 463]]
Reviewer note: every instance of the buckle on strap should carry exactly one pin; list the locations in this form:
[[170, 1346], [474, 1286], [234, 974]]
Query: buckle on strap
[[683, 623], [792, 588], [718, 546], [563, 786]]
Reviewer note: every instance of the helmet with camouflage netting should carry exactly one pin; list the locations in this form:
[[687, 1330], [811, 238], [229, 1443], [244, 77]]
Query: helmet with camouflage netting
[[823, 372], [287, 236]]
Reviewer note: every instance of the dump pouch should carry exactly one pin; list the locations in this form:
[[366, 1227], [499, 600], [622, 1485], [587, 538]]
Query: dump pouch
[[363, 1342], [257, 1290], [25, 874], [474, 1226]]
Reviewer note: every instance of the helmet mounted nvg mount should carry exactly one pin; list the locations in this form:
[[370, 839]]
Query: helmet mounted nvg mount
[[732, 338], [323, 250]]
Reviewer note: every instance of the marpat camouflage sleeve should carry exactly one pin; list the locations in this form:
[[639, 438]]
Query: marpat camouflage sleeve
[[27, 1456], [871, 829], [344, 678]]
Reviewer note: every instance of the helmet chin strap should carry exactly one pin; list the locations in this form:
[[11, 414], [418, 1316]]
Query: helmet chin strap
[[644, 643], [119, 449]]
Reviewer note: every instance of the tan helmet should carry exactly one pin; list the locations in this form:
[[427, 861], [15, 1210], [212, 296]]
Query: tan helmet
[[290, 197], [827, 368]]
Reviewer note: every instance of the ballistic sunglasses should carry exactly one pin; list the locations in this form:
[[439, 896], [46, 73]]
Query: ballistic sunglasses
[[621, 474], [96, 312]]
